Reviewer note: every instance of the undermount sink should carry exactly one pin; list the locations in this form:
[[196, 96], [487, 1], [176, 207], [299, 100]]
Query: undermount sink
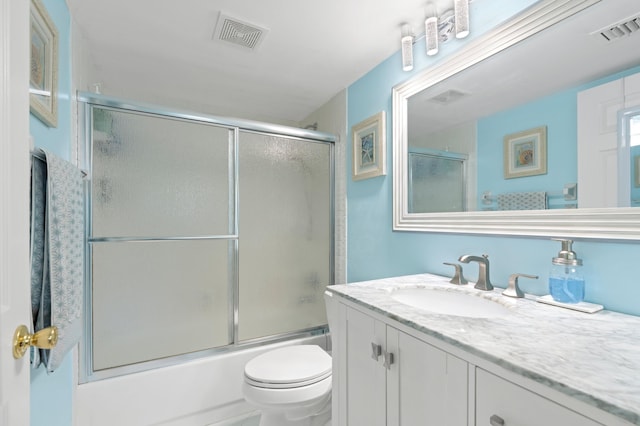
[[450, 303]]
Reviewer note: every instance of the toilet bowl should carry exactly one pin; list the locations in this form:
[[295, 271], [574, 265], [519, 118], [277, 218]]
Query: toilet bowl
[[290, 385]]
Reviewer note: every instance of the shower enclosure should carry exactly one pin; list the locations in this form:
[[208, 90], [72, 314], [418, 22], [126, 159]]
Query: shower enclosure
[[204, 235]]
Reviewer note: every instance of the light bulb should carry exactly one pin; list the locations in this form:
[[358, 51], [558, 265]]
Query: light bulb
[[461, 10], [407, 48], [431, 35]]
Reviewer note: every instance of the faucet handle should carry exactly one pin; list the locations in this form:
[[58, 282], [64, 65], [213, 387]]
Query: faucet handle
[[458, 278], [513, 290]]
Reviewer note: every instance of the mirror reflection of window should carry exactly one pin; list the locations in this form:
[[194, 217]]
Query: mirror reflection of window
[[634, 127], [634, 146]]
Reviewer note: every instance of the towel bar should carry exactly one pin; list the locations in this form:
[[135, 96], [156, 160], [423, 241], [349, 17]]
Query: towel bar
[[41, 156]]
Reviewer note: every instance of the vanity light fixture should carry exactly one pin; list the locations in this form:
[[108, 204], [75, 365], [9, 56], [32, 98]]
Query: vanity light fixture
[[437, 29], [407, 47]]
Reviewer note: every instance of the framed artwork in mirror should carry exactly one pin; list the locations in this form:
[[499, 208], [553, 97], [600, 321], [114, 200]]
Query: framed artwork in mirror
[[369, 148], [525, 153], [43, 78]]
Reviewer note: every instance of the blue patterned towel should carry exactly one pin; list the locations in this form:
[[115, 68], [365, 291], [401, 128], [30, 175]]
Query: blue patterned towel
[[522, 201], [57, 254]]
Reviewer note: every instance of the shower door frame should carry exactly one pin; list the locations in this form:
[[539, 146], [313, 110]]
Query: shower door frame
[[86, 102]]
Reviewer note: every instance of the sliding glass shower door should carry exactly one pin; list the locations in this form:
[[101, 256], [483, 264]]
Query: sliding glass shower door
[[202, 237], [285, 234], [160, 237]]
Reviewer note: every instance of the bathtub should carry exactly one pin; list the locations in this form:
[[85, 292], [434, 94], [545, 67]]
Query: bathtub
[[202, 392]]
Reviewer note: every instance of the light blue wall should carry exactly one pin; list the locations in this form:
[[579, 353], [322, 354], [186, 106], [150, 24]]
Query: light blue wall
[[51, 395], [374, 251]]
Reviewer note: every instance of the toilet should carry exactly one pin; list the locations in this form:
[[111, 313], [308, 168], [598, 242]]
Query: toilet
[[291, 385]]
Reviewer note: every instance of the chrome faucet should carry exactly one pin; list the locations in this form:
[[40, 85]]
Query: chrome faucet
[[483, 283]]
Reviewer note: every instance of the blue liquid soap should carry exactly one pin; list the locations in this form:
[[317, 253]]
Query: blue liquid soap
[[566, 284], [566, 289]]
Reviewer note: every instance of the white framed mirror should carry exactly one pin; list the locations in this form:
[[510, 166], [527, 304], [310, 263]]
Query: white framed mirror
[[561, 44]]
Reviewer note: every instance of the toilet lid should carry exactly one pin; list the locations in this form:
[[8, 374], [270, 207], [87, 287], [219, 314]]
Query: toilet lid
[[291, 366]]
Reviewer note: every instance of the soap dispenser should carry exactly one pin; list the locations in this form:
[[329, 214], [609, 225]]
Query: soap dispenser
[[566, 283]]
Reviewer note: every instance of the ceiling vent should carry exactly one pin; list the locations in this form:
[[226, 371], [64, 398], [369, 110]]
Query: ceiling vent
[[620, 29], [239, 33], [448, 96]]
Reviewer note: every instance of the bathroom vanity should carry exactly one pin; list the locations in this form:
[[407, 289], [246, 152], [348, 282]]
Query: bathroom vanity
[[519, 362]]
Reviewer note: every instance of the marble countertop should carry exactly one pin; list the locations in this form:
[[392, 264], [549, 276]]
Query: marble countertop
[[592, 357]]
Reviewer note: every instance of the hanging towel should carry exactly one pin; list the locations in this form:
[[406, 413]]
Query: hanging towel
[[522, 201], [57, 254]]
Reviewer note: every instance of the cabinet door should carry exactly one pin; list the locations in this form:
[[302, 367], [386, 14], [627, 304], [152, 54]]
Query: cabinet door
[[426, 386], [366, 381], [500, 402]]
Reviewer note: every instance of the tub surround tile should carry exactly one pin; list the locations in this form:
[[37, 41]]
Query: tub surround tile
[[594, 358]]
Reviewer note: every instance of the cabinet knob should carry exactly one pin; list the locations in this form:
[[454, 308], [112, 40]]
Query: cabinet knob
[[496, 420], [388, 360], [376, 351]]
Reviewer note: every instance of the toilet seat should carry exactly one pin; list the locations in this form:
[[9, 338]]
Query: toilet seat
[[288, 367]]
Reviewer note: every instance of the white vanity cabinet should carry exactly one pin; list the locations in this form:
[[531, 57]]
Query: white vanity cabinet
[[392, 378], [385, 372], [502, 403]]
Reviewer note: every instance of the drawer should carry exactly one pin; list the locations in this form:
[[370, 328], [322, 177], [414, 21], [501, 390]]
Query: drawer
[[503, 403]]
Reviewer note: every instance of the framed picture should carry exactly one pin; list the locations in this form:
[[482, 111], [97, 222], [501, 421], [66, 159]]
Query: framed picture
[[43, 80], [369, 148], [636, 171], [525, 153]]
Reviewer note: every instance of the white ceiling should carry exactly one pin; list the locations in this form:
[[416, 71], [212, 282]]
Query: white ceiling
[[162, 52]]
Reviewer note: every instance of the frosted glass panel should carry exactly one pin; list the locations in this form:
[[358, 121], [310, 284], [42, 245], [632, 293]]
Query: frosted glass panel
[[157, 299], [436, 184], [155, 177], [285, 231]]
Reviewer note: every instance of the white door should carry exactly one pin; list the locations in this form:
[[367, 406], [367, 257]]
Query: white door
[[598, 172], [14, 207], [597, 144]]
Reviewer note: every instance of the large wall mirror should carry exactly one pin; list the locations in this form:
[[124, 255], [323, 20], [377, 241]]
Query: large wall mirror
[[528, 130]]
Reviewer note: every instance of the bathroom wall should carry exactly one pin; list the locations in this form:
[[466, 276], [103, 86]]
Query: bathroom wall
[[374, 251], [52, 395]]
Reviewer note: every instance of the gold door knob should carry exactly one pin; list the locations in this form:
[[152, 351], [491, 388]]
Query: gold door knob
[[43, 339]]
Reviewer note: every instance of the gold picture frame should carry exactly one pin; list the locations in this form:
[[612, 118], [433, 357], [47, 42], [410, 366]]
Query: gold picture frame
[[525, 153], [369, 148], [43, 78]]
